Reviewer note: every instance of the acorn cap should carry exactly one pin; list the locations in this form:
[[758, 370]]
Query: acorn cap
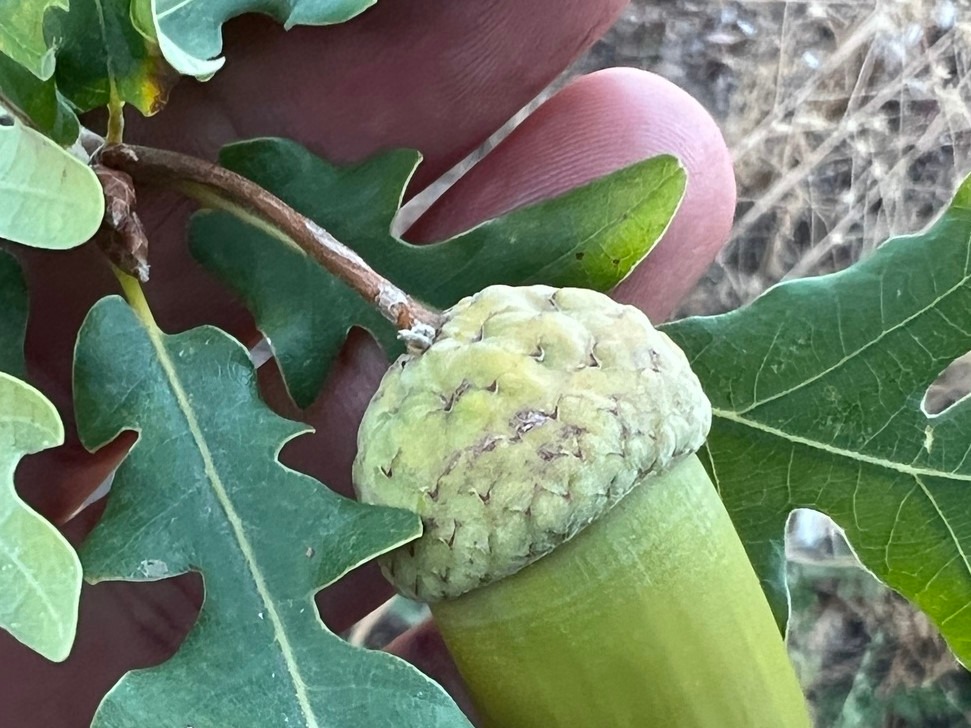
[[533, 412]]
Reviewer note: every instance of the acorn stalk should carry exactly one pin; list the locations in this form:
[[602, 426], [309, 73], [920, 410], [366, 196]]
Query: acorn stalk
[[577, 559]]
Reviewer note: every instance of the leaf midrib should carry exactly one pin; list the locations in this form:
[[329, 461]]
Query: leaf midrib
[[962, 283], [38, 588], [300, 686], [908, 470], [899, 467]]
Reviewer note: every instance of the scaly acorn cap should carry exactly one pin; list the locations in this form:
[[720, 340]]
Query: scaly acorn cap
[[534, 411]]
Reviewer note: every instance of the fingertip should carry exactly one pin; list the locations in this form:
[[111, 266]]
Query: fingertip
[[680, 125], [597, 124]]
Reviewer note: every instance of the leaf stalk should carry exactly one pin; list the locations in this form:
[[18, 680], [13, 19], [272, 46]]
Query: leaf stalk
[[216, 186], [116, 117], [132, 290]]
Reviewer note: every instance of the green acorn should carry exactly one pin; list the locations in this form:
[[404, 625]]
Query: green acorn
[[578, 561]]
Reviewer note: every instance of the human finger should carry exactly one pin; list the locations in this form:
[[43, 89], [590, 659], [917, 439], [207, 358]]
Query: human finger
[[336, 420], [432, 75], [599, 123]]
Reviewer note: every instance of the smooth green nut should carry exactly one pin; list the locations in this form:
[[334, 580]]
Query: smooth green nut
[[534, 411]]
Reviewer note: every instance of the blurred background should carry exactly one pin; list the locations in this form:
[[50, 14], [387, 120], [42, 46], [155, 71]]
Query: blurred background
[[849, 122]]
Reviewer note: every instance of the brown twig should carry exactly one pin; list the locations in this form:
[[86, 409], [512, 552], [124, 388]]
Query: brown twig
[[416, 323]]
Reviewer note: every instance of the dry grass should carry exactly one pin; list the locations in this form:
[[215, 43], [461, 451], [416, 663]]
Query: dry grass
[[849, 121]]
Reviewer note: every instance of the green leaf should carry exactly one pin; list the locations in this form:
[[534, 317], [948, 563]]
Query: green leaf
[[592, 236], [22, 34], [13, 316], [40, 576], [101, 54], [22, 92], [48, 198], [190, 31], [202, 490], [817, 389]]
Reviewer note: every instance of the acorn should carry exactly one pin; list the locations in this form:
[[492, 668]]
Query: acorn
[[577, 559]]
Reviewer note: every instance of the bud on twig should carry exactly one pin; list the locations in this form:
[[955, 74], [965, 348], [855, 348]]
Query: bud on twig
[[122, 236]]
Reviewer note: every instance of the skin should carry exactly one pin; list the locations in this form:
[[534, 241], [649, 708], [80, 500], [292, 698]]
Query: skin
[[435, 75]]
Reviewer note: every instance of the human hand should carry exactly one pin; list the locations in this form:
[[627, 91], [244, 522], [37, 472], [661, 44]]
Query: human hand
[[434, 75]]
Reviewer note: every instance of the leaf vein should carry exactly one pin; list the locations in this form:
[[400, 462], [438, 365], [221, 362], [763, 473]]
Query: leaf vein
[[837, 451], [868, 345], [235, 523]]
